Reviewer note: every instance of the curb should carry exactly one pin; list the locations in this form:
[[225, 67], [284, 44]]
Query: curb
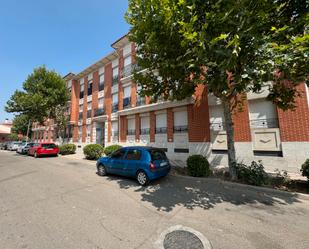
[[300, 196]]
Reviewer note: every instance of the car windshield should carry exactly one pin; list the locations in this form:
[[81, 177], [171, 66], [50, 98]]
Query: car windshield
[[48, 146], [157, 154]]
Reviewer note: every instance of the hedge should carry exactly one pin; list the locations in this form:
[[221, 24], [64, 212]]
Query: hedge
[[93, 151], [67, 149], [112, 148], [198, 166]]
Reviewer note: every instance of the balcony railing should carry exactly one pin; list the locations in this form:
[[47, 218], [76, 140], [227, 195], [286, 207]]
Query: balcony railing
[[264, 123], [89, 114], [180, 128], [140, 102], [99, 112], [161, 130], [129, 69], [130, 132], [115, 80], [126, 102], [145, 131], [115, 107]]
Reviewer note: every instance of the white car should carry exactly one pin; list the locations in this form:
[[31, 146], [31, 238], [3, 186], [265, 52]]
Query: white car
[[14, 146]]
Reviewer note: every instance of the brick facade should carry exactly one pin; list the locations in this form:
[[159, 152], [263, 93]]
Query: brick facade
[[294, 125]]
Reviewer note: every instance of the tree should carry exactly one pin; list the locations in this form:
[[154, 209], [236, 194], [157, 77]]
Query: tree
[[43, 93], [21, 124], [230, 46], [13, 137]]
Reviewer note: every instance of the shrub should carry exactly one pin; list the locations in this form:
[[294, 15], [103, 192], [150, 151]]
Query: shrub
[[253, 174], [198, 166], [67, 149], [305, 169], [93, 151], [110, 149]]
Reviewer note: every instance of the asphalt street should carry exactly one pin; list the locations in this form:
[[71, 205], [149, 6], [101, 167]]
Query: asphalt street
[[62, 203]]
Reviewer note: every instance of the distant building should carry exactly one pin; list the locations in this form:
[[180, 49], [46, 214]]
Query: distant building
[[5, 130]]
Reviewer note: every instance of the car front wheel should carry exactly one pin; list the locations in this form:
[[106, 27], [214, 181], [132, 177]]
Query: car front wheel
[[102, 170], [142, 178], [36, 155]]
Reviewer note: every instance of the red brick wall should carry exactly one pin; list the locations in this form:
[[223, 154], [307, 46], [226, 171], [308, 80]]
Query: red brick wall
[[123, 128], [120, 89], [170, 125], [152, 126], [294, 125], [133, 94], [95, 104], [198, 117], [242, 131], [108, 98], [84, 133], [137, 127], [74, 108]]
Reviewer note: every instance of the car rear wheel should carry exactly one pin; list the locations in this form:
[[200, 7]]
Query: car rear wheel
[[36, 155], [142, 178], [102, 170]]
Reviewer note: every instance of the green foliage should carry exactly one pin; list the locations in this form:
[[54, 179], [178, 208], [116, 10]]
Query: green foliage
[[43, 92], [110, 149], [93, 151], [305, 169], [67, 149], [20, 124], [253, 174], [231, 48], [198, 166], [13, 137]]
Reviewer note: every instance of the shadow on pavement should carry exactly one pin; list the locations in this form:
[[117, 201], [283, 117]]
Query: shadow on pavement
[[170, 192]]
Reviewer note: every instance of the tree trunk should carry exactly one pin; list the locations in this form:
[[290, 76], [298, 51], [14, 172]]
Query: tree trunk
[[229, 127]]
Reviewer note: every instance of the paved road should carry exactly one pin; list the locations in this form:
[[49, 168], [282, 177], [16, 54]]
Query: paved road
[[62, 203]]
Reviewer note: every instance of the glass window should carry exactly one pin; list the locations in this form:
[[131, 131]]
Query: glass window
[[101, 84], [81, 94], [119, 154], [48, 146], [90, 88], [134, 155], [157, 155]]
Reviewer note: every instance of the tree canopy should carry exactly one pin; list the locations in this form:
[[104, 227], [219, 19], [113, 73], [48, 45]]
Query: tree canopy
[[230, 46], [43, 92], [20, 124]]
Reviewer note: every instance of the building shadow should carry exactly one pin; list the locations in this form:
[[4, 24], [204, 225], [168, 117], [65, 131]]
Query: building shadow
[[173, 191]]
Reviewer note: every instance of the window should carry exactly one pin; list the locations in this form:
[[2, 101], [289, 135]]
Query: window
[[49, 146], [114, 128], [157, 155], [82, 88], [89, 105], [134, 155], [115, 76], [101, 82], [101, 102], [161, 123], [88, 130], [145, 125], [119, 154], [181, 121], [90, 88]]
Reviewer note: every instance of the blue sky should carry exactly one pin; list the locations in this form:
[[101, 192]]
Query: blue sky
[[66, 36]]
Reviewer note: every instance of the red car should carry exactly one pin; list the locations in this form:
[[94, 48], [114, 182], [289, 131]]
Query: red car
[[40, 149]]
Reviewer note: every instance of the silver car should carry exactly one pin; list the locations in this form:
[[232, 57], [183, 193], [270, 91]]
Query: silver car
[[13, 146]]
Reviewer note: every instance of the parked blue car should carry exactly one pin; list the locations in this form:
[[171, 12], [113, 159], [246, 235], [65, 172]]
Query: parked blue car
[[143, 163]]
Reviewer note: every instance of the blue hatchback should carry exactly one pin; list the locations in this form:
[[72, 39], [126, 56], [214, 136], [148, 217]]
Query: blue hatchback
[[143, 163]]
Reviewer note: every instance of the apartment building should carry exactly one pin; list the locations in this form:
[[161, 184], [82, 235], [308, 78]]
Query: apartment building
[[105, 108]]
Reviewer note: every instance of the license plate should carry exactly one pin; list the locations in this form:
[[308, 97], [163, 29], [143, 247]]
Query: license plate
[[49, 149], [163, 164]]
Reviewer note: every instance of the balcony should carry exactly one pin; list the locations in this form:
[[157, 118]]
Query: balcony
[[115, 107], [264, 123], [129, 70], [89, 114], [140, 101], [161, 130], [99, 112], [126, 103], [115, 80], [130, 132], [145, 131], [180, 128]]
